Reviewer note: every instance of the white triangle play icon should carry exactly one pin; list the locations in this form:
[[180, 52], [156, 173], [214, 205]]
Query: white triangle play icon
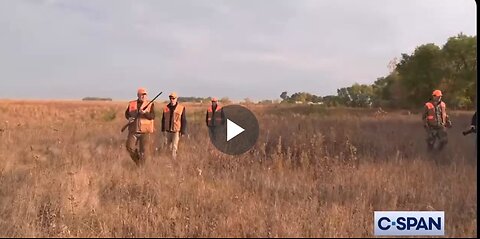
[[233, 130]]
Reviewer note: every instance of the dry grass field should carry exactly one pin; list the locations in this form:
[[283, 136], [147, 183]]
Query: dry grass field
[[314, 172]]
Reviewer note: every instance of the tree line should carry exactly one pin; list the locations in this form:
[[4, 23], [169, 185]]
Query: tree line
[[451, 68]]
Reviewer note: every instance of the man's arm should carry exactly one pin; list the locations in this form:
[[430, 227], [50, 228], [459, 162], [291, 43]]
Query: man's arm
[[424, 117], [183, 128], [127, 113], [150, 115]]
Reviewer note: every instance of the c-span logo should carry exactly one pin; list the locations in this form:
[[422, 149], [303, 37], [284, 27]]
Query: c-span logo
[[409, 223]]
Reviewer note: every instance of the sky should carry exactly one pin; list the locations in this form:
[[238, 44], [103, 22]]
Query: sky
[[62, 49]]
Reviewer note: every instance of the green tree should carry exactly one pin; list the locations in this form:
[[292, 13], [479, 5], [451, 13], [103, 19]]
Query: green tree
[[343, 96], [361, 95], [460, 70], [356, 95], [421, 72], [331, 101], [247, 101]]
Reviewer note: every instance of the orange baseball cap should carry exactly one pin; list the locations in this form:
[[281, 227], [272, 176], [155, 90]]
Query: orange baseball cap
[[214, 99], [141, 91], [173, 95], [437, 93]]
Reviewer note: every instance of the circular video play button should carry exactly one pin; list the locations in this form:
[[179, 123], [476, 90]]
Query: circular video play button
[[238, 131]]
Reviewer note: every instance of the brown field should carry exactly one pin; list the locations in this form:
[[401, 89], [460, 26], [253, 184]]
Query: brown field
[[314, 172]]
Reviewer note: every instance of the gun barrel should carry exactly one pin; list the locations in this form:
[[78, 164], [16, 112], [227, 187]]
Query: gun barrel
[[125, 126], [469, 131]]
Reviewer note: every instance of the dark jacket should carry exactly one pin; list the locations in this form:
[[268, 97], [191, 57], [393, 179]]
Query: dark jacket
[[222, 115], [183, 127]]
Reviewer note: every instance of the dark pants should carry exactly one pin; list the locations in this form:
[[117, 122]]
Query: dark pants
[[214, 132], [436, 134], [139, 154]]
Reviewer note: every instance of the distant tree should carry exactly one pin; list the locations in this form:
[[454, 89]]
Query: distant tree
[[247, 101], [421, 72], [299, 97], [331, 101], [284, 95], [343, 96], [192, 99], [362, 95], [460, 70], [380, 88], [356, 95], [304, 97], [225, 100], [96, 99], [264, 102]]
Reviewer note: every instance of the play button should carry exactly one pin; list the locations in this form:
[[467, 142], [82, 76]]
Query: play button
[[238, 133], [233, 130]]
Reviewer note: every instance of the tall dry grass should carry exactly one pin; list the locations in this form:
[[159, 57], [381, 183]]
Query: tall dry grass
[[64, 171]]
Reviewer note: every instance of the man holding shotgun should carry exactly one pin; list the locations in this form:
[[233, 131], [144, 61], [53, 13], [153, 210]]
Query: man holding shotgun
[[140, 114]]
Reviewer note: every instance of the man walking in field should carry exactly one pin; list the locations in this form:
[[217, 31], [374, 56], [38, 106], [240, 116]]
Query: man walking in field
[[215, 116], [473, 125], [174, 123], [141, 126], [435, 121]]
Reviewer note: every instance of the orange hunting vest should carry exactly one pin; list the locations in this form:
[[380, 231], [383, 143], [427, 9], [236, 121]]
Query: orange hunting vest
[[432, 118], [177, 118], [218, 116], [141, 125]]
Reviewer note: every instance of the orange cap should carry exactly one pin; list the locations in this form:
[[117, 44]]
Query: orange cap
[[173, 94], [141, 91], [437, 93], [214, 99]]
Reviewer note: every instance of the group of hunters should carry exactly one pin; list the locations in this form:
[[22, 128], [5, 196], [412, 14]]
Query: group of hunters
[[141, 114]]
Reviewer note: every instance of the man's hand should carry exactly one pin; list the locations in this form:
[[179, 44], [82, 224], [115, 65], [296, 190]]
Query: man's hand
[[133, 114], [448, 124], [473, 128]]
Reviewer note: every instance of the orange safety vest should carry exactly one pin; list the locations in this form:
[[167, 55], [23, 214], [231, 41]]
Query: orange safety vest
[[177, 118], [141, 125], [432, 114], [218, 116]]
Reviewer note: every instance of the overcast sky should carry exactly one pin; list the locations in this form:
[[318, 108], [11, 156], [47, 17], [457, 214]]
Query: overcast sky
[[238, 48]]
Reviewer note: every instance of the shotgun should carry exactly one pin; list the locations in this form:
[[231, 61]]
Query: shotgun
[[471, 130], [144, 108]]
